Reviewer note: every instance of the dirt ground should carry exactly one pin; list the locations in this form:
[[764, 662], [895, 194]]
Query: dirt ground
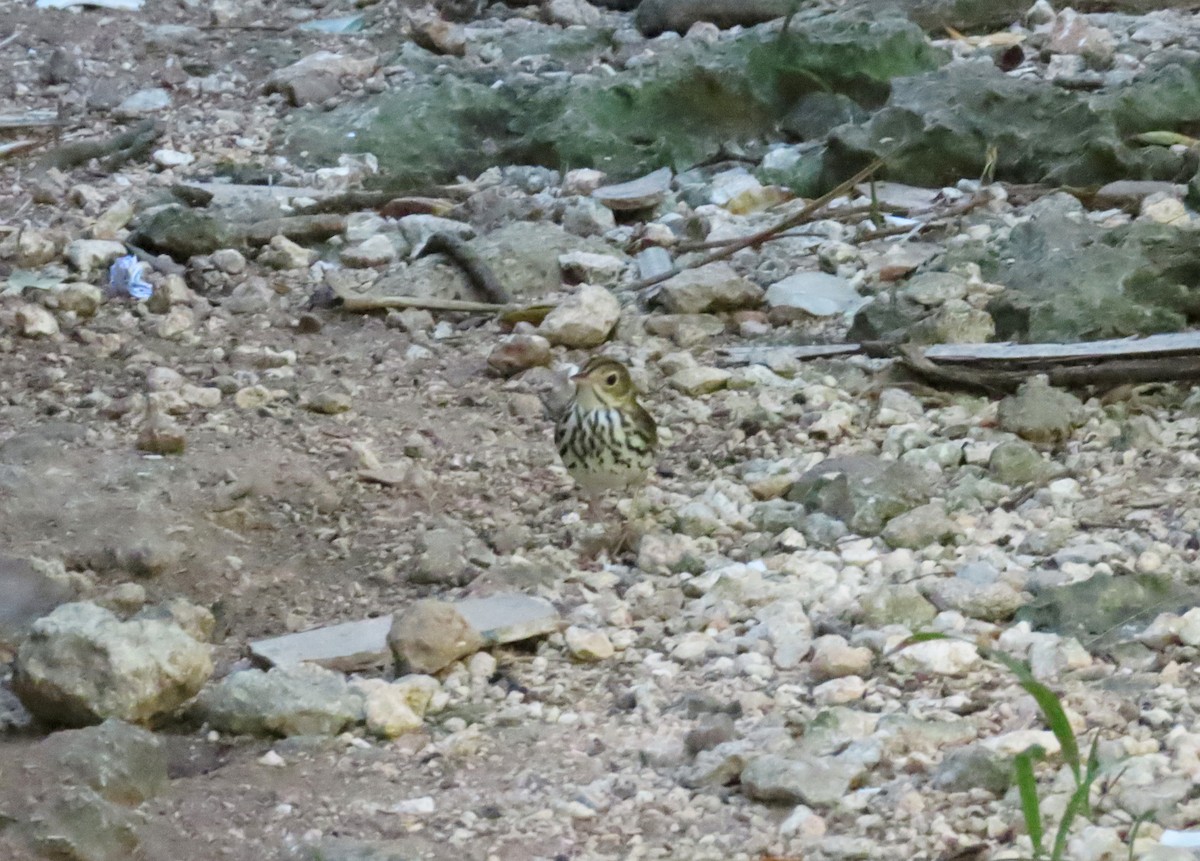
[[265, 520]]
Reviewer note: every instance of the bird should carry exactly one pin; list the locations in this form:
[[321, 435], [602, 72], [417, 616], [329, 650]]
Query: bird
[[605, 438]]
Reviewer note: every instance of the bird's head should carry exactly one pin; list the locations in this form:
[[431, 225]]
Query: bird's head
[[606, 381]]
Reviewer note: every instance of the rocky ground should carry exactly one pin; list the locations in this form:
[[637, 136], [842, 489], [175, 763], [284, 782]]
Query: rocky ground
[[243, 455]]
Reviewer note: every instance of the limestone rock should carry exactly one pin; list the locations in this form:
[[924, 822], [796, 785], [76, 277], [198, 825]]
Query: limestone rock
[[296, 700], [81, 664], [715, 287], [583, 319]]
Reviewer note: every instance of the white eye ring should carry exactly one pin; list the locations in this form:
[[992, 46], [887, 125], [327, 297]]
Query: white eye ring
[[610, 380]]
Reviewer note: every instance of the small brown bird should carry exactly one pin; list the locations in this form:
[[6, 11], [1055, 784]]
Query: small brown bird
[[605, 439]]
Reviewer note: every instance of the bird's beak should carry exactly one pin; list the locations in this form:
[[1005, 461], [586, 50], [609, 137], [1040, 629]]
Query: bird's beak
[[578, 378]]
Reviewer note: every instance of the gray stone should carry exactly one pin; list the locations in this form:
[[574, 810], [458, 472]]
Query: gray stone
[[143, 102], [1016, 462], [571, 12], [123, 763], [80, 824], [900, 604], [509, 617], [973, 767], [933, 289], [347, 647], [447, 554], [351, 849], [775, 515], [81, 665], [524, 255], [789, 630], [418, 229], [181, 232], [251, 296], [812, 294], [713, 729], [863, 492], [586, 216], [821, 530], [715, 287], [642, 193], [991, 602], [924, 525], [317, 77], [813, 780], [291, 700], [1040, 413], [229, 260], [328, 403], [30, 592]]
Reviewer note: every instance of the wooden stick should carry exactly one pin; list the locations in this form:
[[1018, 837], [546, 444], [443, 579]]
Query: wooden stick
[[378, 303], [767, 234]]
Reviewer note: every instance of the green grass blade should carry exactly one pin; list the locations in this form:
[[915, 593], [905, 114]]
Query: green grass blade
[[1137, 826], [1052, 711], [1076, 805], [1027, 789]]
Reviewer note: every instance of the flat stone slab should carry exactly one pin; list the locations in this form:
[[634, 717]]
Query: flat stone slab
[[506, 617], [648, 190], [346, 647]]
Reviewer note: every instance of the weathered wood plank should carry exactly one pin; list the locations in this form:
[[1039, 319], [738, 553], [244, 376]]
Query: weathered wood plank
[[1152, 345]]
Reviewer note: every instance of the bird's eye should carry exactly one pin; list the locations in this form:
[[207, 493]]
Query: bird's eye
[[610, 380]]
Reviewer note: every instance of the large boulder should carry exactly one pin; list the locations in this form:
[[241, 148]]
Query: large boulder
[[303, 699], [81, 664]]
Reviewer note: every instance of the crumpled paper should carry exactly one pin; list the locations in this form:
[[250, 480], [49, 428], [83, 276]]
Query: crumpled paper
[[126, 277]]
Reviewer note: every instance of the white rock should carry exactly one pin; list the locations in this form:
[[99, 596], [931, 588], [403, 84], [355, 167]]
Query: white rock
[[585, 266], [814, 294], [586, 645], [939, 657], [1096, 843], [1189, 627], [375, 251], [272, 760], [582, 180], [34, 321], [833, 657], [92, 255], [413, 806], [804, 823], [168, 158], [1018, 741], [789, 630], [583, 319], [837, 691], [692, 647]]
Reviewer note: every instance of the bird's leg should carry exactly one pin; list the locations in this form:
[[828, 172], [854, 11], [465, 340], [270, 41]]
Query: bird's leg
[[629, 531]]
